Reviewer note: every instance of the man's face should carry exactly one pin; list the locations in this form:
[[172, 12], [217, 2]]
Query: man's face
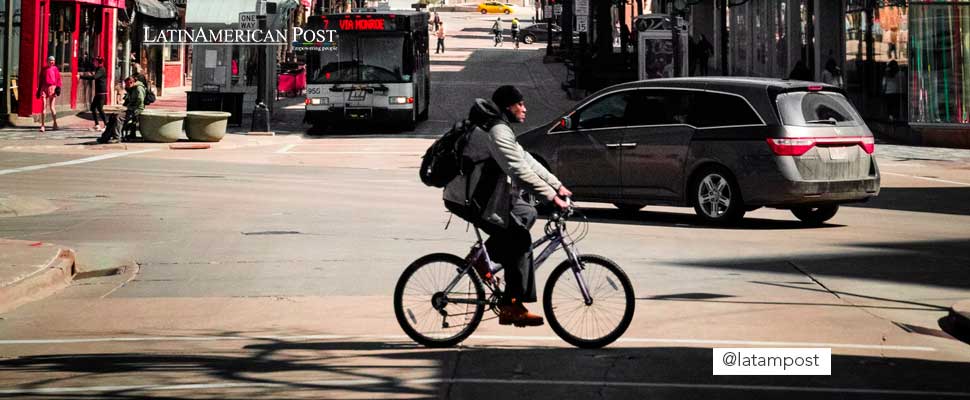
[[129, 82], [50, 62], [518, 110]]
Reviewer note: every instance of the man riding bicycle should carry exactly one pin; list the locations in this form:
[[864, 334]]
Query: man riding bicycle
[[490, 196]]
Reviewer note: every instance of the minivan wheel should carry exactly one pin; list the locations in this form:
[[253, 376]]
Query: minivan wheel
[[629, 208], [815, 215], [717, 198]]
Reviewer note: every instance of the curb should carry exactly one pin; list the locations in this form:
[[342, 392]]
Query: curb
[[57, 275], [100, 273]]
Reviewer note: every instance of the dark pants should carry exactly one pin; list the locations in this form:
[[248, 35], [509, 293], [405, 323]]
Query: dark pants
[[120, 122], [97, 108], [511, 246], [441, 45]]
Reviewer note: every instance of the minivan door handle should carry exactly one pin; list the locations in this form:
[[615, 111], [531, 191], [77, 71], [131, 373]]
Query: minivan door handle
[[628, 145], [613, 145]]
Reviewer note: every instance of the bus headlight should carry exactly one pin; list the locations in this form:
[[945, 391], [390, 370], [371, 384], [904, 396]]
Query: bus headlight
[[400, 100], [319, 101]]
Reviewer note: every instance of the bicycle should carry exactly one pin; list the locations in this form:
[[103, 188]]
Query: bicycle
[[440, 298]]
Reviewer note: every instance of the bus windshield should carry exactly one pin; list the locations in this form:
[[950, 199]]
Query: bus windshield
[[362, 58]]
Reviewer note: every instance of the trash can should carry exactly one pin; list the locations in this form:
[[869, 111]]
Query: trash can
[[161, 126], [206, 126]]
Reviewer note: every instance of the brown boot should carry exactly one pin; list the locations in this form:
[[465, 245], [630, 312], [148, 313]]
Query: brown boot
[[518, 315]]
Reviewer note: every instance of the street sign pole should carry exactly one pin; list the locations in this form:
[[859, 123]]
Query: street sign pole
[[260, 121]]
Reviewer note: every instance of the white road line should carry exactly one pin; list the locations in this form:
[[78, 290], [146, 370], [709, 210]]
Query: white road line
[[458, 381], [498, 339], [285, 149], [927, 179], [355, 152], [74, 162]]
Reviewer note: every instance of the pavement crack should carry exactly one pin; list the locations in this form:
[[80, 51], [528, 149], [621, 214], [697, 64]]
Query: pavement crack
[[454, 373], [836, 294], [605, 379], [818, 282]]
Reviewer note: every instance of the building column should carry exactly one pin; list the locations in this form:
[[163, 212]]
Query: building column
[[33, 35], [75, 40], [108, 49]]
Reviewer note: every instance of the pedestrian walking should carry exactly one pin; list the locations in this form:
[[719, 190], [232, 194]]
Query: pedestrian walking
[[892, 90], [497, 31], [99, 76], [440, 34], [706, 50], [515, 32], [436, 21], [832, 74], [48, 89]]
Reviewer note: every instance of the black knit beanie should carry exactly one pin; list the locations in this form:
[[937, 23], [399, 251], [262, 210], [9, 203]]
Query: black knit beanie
[[506, 96]]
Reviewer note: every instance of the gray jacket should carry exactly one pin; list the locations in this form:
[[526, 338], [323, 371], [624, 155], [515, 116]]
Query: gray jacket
[[521, 170]]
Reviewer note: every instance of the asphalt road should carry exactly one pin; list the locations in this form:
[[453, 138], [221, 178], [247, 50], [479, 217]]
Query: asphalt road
[[264, 269]]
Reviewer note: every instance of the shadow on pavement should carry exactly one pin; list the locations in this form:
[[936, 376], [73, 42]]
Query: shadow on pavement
[[939, 200], [941, 263], [283, 369], [646, 217]]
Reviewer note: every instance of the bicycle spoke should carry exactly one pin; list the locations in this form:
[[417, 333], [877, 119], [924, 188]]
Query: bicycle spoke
[[594, 321]]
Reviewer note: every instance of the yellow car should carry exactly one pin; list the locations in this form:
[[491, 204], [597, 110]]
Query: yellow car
[[495, 7]]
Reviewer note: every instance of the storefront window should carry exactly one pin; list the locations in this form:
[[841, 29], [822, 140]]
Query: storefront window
[[59, 37], [780, 38], [939, 39], [174, 52]]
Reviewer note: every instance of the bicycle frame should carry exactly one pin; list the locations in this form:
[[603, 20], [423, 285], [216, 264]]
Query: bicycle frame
[[556, 239]]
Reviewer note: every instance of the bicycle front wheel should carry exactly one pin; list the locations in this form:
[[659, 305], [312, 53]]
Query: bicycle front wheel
[[594, 325], [429, 315]]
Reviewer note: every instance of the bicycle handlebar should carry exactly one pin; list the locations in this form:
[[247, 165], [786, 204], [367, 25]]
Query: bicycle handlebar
[[562, 215]]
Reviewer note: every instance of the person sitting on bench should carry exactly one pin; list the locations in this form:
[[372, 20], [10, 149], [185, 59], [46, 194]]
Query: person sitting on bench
[[134, 105]]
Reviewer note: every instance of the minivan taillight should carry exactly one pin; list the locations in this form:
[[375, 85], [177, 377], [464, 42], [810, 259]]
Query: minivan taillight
[[790, 147], [799, 146]]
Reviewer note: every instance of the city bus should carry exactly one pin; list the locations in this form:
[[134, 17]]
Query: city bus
[[369, 66]]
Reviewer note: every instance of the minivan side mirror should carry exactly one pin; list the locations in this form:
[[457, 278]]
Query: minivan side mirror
[[565, 124]]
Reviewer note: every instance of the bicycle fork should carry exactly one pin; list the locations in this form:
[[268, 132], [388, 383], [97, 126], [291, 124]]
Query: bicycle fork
[[556, 240]]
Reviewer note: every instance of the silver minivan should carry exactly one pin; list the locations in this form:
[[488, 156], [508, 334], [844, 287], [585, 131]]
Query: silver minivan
[[724, 146]]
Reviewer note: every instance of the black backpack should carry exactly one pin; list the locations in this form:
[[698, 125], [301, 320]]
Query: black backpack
[[444, 160], [149, 96]]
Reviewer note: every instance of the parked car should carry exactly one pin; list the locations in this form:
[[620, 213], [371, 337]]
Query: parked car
[[724, 146], [538, 33], [495, 7]]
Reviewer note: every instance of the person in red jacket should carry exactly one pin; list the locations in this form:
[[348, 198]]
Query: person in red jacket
[[48, 90]]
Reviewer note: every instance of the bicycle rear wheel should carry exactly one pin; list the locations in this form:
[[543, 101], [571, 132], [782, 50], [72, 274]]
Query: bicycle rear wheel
[[430, 316], [600, 323]]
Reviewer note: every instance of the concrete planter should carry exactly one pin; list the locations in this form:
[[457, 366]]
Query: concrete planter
[[161, 126], [206, 126]]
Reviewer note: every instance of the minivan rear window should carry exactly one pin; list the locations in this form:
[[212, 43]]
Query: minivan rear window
[[816, 109]]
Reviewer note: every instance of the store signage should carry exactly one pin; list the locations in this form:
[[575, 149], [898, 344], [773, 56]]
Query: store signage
[[581, 7], [582, 22], [360, 24]]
